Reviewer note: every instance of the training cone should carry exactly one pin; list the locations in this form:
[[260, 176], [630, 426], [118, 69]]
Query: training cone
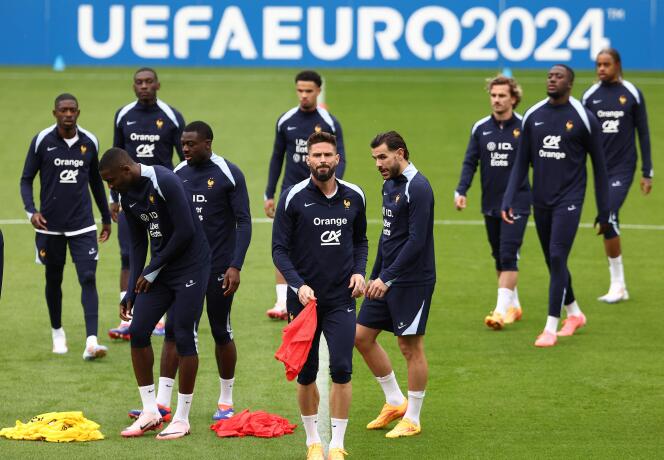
[[59, 64]]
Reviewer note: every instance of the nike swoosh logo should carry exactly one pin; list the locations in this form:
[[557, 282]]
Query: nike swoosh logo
[[401, 326], [516, 217], [484, 133], [291, 128], [147, 425], [306, 205], [571, 208], [349, 310], [596, 101], [190, 284], [537, 123], [132, 205], [150, 391], [49, 149], [220, 278], [129, 123]]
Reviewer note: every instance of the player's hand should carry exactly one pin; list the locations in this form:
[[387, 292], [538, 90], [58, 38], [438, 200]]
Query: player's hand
[[38, 221], [231, 281], [508, 216], [646, 185], [105, 233], [269, 208], [305, 294], [602, 227], [115, 209], [357, 284], [142, 285], [376, 289], [460, 202], [126, 311]]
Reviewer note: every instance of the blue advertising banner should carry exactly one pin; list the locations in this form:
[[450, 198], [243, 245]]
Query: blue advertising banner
[[363, 33]]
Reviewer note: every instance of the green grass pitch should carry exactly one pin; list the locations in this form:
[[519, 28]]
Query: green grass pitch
[[491, 394]]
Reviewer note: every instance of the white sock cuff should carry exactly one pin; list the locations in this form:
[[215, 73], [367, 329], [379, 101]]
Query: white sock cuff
[[416, 394], [387, 378], [227, 381], [91, 341], [166, 380], [309, 417]]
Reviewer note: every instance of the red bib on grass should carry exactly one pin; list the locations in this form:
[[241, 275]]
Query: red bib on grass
[[296, 340], [259, 423]]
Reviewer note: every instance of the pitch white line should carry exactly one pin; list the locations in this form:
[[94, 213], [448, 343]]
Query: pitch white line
[[268, 77], [323, 384], [265, 220]]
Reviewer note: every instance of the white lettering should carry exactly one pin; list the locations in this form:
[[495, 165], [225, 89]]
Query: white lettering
[[476, 49], [551, 142], [142, 31], [504, 34], [339, 221], [86, 36], [275, 32], [316, 33], [610, 126], [145, 151], [415, 33], [68, 176], [158, 34], [367, 18], [198, 199], [185, 31], [233, 34], [610, 114], [144, 137], [330, 238], [68, 162], [555, 155]]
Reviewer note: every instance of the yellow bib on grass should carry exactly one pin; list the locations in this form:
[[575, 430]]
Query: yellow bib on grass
[[55, 427]]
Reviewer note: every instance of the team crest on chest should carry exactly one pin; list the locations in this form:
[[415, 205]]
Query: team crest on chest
[[569, 125], [83, 149], [516, 133], [151, 198], [210, 182], [317, 129], [347, 204], [159, 123], [622, 99], [42, 253], [397, 198]]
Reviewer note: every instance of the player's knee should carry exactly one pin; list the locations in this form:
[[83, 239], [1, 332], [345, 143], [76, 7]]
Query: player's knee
[[87, 277], [410, 349], [185, 340], [307, 375], [558, 258], [611, 232], [124, 261], [363, 342], [139, 336], [221, 335], [508, 263], [186, 347], [340, 375], [169, 334]]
